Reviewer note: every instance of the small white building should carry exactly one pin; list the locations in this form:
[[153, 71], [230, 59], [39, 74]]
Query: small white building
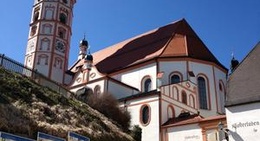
[[243, 99]]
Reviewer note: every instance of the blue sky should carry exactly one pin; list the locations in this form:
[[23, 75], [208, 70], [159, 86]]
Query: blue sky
[[223, 25]]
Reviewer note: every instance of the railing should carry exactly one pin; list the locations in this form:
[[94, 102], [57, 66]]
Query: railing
[[14, 66]]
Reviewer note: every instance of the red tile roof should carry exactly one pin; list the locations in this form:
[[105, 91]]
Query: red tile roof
[[173, 40]]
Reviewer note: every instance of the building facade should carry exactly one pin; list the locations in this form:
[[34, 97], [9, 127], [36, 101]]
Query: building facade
[[243, 99]]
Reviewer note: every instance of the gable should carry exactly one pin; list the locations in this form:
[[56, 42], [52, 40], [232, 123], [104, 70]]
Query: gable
[[243, 84]]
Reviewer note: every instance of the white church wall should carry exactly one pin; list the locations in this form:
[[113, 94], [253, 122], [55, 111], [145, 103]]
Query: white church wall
[[220, 79], [94, 74], [243, 122], [205, 70], [150, 132], [190, 132], [169, 67], [135, 76], [119, 91]]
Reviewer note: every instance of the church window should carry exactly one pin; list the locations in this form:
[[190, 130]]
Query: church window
[[97, 90], [145, 115], [220, 87], [175, 77], [202, 89], [184, 97], [33, 30], [47, 29], [63, 18], [146, 84]]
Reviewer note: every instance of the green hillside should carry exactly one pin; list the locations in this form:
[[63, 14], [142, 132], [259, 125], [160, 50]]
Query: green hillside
[[26, 108]]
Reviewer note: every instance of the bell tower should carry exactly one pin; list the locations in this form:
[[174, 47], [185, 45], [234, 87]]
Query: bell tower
[[49, 38]]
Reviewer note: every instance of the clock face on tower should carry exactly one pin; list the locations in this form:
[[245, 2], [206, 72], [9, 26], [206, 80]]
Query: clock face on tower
[[60, 46]]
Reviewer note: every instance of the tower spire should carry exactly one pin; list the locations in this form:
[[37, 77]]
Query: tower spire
[[83, 46], [234, 62]]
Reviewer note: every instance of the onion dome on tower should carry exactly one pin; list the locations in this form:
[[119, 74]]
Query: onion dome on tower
[[88, 61], [83, 45]]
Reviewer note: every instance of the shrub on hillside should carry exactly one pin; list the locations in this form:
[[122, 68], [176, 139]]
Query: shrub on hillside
[[108, 105]]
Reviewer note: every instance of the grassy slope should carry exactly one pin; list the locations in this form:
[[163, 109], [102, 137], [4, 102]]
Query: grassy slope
[[26, 108]]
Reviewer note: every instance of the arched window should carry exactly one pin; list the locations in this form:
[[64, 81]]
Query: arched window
[[202, 89], [184, 97], [145, 115], [97, 90], [175, 79], [146, 84], [220, 87], [63, 18]]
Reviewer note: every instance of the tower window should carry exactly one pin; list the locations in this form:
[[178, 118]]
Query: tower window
[[33, 30], [36, 16], [202, 89], [61, 32], [63, 18], [145, 114]]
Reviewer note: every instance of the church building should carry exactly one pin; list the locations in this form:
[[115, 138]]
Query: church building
[[167, 78]]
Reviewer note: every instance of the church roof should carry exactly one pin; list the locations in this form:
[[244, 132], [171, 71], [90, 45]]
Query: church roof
[[173, 40], [243, 84], [187, 118]]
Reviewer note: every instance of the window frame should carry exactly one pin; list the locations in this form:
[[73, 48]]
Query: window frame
[[175, 73], [206, 95], [143, 84], [148, 114]]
